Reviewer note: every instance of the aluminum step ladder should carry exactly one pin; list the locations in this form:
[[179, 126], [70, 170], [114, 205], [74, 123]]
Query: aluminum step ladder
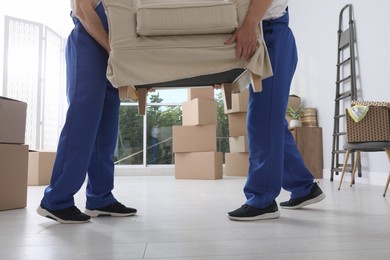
[[346, 89]]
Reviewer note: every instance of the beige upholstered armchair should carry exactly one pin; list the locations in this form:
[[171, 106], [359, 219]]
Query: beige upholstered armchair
[[179, 43]]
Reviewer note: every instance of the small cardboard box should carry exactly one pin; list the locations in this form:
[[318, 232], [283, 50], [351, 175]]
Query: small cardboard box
[[13, 176], [40, 167], [199, 165], [294, 101], [200, 92], [12, 121], [236, 164], [199, 112], [201, 138], [238, 144], [374, 127], [239, 102], [237, 124]]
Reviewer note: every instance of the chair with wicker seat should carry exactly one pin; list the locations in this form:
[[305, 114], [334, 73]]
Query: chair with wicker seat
[[370, 134]]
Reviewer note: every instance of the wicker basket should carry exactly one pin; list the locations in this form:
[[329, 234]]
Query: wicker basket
[[374, 127]]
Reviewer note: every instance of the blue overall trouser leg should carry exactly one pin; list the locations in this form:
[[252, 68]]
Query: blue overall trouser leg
[[274, 160], [88, 138]]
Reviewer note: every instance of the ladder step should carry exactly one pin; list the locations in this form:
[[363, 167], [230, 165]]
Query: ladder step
[[343, 95], [339, 116], [340, 169], [344, 79], [339, 134], [344, 62]]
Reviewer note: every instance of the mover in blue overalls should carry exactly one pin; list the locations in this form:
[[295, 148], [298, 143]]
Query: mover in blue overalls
[[88, 138], [274, 160]]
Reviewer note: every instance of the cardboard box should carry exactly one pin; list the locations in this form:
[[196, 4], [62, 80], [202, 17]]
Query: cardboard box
[[200, 92], [294, 101], [12, 121], [199, 112], [237, 124], [236, 164], [40, 167], [13, 176], [238, 144], [239, 102], [199, 165], [374, 127], [194, 139]]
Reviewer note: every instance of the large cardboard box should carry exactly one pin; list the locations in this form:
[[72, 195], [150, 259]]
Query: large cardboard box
[[239, 102], [199, 111], [238, 144], [40, 167], [13, 176], [12, 121], [201, 138], [237, 124], [200, 92], [236, 164], [199, 165], [374, 127]]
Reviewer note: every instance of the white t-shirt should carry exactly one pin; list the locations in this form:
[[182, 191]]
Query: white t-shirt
[[276, 10], [155, 132]]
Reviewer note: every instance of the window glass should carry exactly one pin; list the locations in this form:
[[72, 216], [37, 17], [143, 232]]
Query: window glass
[[129, 149], [160, 117]]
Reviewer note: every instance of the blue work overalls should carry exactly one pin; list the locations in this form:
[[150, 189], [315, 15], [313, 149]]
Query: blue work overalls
[[274, 160], [88, 138]]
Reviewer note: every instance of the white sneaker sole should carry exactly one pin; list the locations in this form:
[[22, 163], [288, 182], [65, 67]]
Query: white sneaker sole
[[45, 213], [97, 213], [307, 202], [272, 215]]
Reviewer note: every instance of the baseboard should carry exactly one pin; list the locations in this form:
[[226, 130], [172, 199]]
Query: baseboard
[[372, 178]]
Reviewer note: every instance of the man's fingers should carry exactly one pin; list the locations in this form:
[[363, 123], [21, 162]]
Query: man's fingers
[[231, 40], [239, 51]]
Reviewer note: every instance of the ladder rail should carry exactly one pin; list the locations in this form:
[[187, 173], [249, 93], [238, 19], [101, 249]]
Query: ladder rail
[[345, 39]]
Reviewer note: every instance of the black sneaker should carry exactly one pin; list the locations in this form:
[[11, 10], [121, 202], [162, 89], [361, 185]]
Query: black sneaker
[[71, 215], [315, 195], [116, 209], [247, 213]]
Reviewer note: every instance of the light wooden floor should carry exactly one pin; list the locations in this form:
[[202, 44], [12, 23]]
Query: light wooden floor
[[186, 219]]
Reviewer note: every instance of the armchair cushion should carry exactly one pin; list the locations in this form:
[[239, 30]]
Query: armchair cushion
[[213, 17]]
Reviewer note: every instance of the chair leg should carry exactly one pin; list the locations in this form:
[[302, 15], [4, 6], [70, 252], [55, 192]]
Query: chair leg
[[388, 178], [357, 161], [344, 166], [227, 89], [142, 93]]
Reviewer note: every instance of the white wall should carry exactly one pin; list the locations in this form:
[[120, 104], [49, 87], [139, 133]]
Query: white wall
[[315, 25], [52, 13]]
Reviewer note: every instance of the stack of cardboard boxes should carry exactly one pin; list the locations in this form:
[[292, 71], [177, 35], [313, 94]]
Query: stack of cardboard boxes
[[195, 141], [236, 161], [13, 154]]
